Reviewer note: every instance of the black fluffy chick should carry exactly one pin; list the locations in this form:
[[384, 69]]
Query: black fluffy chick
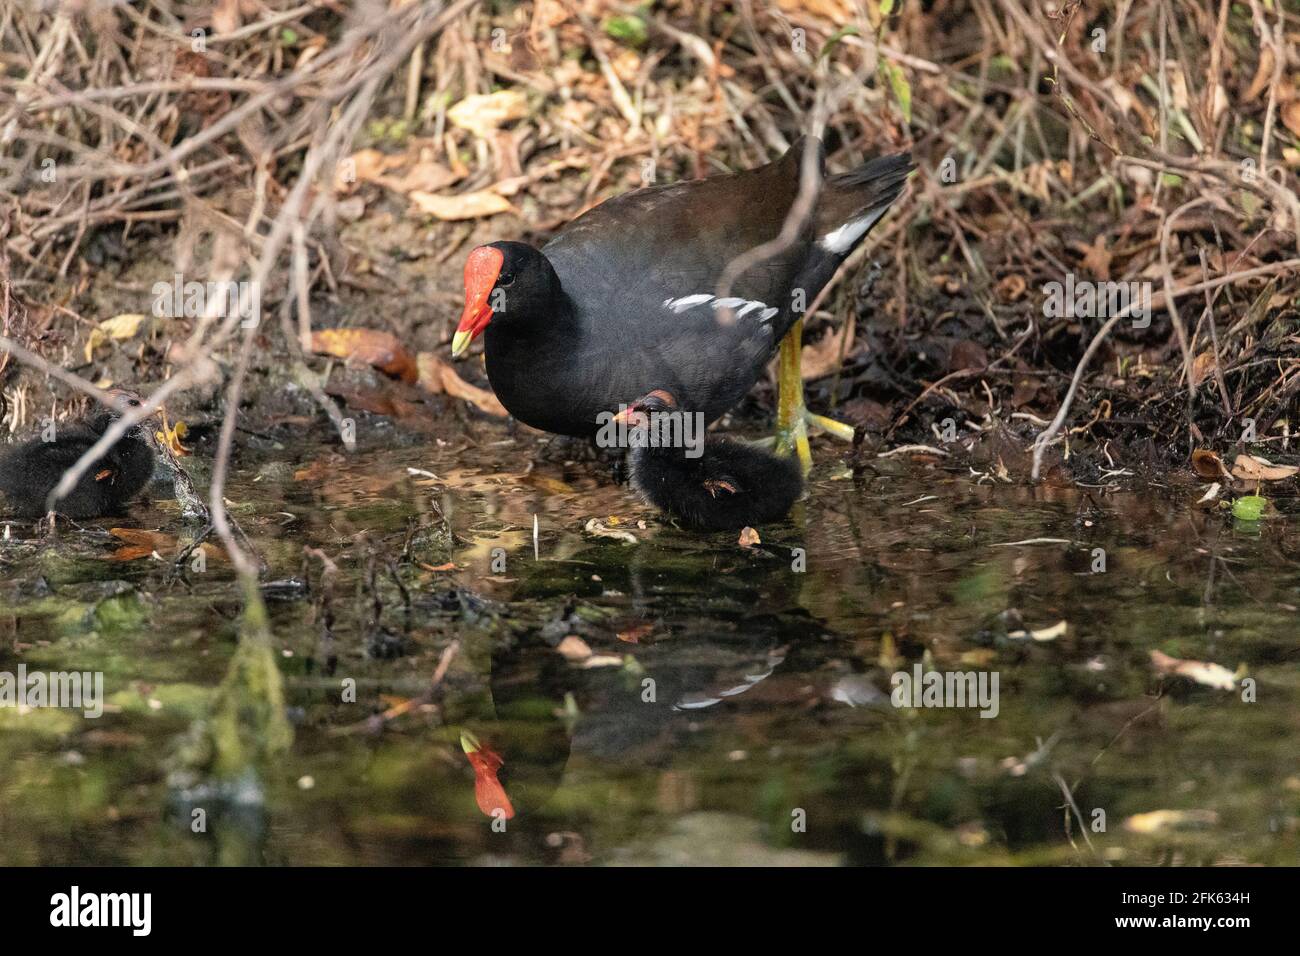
[[29, 472]]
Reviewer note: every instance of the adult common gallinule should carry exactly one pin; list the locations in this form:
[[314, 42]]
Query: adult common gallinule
[[29, 472], [625, 300]]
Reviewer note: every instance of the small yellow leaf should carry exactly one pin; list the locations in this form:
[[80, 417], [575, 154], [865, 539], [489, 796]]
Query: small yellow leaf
[[119, 327]]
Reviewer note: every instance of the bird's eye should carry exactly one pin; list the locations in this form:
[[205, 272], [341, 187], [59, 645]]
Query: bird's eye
[[506, 279]]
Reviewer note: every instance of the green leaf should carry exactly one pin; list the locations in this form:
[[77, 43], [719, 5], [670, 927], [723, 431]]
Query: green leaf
[[1249, 508], [902, 89], [627, 29], [886, 7], [836, 37]]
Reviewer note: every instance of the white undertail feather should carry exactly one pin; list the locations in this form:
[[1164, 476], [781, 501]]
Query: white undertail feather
[[846, 236]]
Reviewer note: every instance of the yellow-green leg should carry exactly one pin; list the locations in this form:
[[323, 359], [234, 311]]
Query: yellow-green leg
[[792, 416]]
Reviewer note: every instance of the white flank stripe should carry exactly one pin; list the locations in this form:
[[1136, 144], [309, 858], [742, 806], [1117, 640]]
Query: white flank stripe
[[687, 301], [743, 306]]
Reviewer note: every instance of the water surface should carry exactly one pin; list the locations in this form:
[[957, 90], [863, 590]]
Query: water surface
[[734, 708]]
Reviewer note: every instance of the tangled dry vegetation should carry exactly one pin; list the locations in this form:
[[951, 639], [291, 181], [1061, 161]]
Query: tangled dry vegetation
[[343, 154]]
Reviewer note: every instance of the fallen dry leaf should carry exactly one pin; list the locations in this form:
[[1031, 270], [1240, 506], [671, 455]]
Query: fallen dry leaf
[[226, 17], [141, 543], [1207, 674], [483, 113], [1159, 821], [1096, 260], [1208, 465], [821, 358], [1202, 366], [455, 207], [449, 566], [1263, 75], [1291, 116], [1042, 634], [597, 528], [573, 648], [748, 538], [1250, 468], [603, 660], [365, 165], [119, 328], [1012, 288], [425, 176], [383, 350], [633, 635], [438, 377]]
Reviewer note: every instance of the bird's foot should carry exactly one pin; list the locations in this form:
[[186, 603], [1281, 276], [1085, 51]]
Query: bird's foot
[[792, 416], [836, 429], [715, 485]]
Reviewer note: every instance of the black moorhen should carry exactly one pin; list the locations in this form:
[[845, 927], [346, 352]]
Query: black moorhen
[[29, 472], [624, 300], [730, 485]]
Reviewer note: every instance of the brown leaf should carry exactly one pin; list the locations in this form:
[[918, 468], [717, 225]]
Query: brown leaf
[[424, 176], [483, 113], [1250, 468], [1096, 260], [366, 165], [449, 566], [633, 635], [153, 540], [1263, 75], [1208, 465], [967, 354], [1202, 366], [141, 543], [1012, 288], [439, 377], [383, 350], [822, 358], [475, 205], [226, 18], [1291, 116], [748, 538], [131, 552]]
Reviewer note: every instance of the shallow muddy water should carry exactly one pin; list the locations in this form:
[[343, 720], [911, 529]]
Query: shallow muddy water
[[732, 708]]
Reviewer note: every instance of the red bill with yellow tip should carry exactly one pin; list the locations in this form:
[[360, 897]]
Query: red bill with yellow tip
[[482, 269]]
